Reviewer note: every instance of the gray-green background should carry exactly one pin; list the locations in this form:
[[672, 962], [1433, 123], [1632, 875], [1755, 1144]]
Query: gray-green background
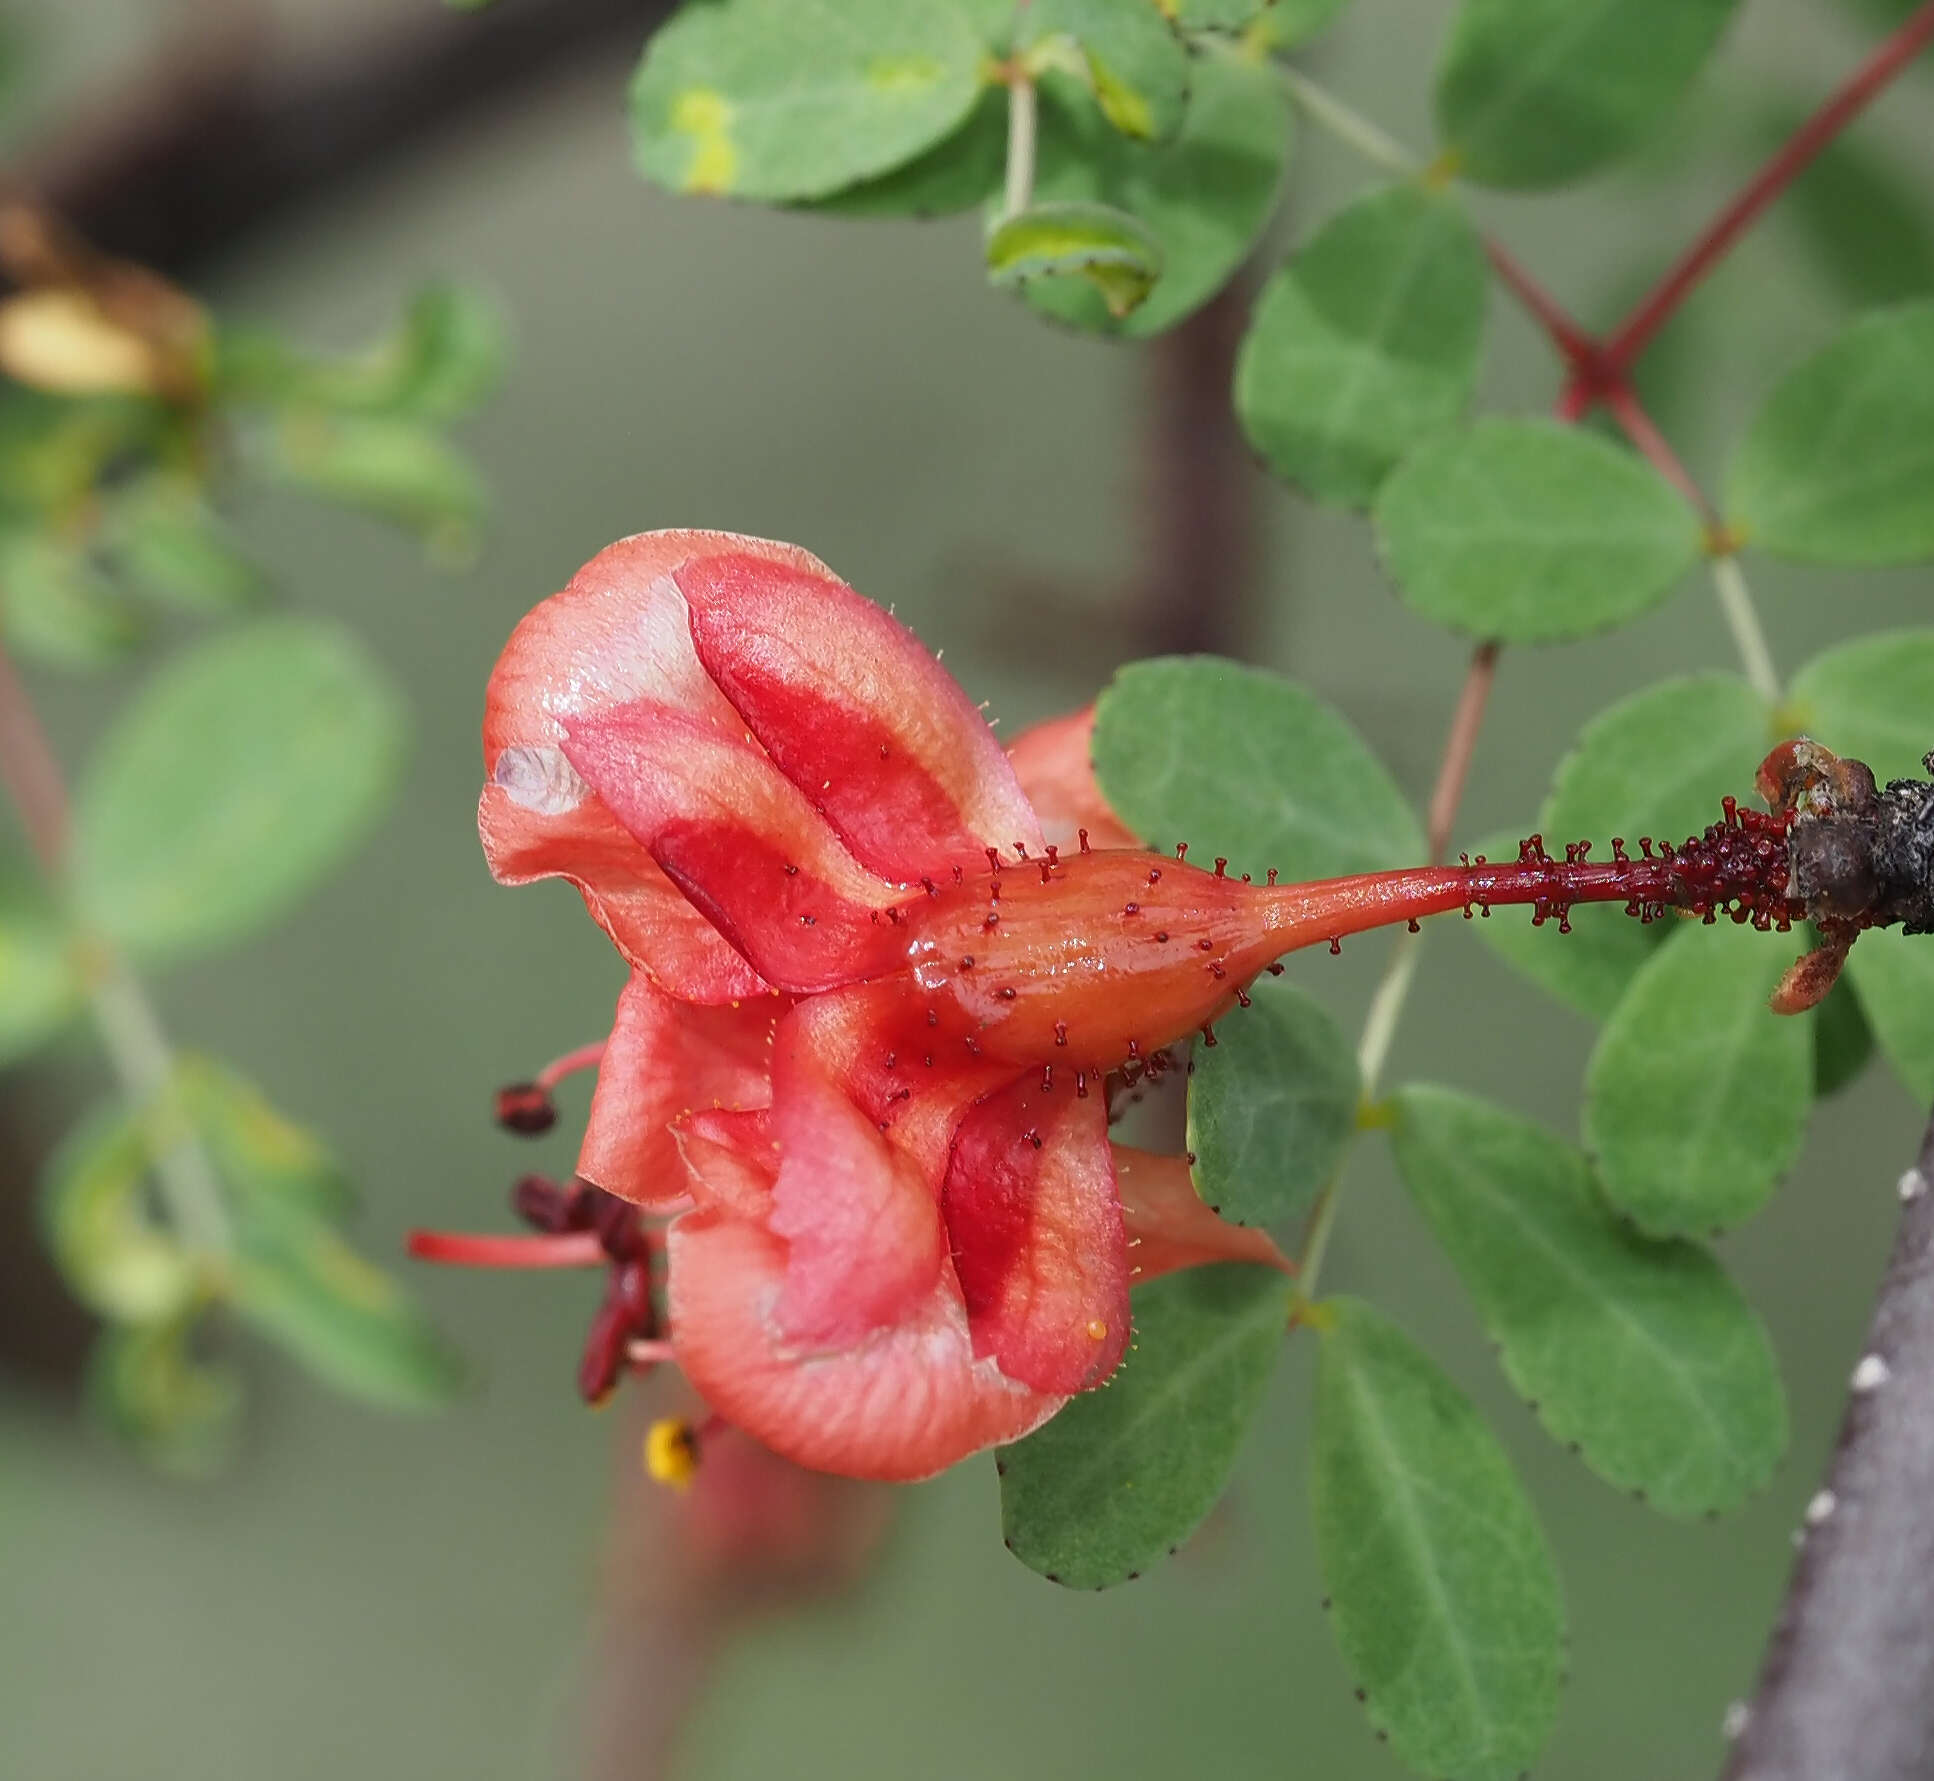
[[362, 1596]]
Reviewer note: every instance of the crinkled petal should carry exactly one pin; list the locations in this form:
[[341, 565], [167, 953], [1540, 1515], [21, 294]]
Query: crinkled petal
[[664, 1058], [863, 1228], [1037, 1236], [1169, 1227], [903, 1403], [743, 844], [1054, 761], [857, 713], [649, 919]]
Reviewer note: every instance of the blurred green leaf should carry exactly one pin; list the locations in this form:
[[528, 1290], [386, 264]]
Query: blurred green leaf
[[1197, 749], [1126, 1473], [1859, 213], [1364, 342], [241, 774], [1843, 1042], [1871, 698], [94, 1213], [1534, 93], [1697, 1094], [1272, 1107], [1643, 1355], [1837, 464], [1064, 239], [786, 99], [1213, 15], [1206, 195], [347, 1322], [1444, 1600], [392, 468], [57, 607], [148, 1388], [1587, 969], [961, 173], [40, 978], [1531, 532], [1283, 24], [259, 1154], [1129, 54], [1893, 974], [1658, 763], [165, 538]]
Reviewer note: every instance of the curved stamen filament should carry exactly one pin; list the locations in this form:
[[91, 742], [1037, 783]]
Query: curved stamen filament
[[476, 1249]]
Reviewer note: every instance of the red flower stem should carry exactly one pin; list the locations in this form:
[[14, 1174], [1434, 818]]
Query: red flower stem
[[1574, 345], [586, 1057], [1870, 78], [31, 774], [464, 1249], [1639, 427], [1460, 744]]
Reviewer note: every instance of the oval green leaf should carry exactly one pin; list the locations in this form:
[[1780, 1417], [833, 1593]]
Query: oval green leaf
[[1531, 532], [1110, 249], [1893, 974], [1589, 968], [1366, 341], [1642, 1355], [1533, 93], [57, 608], [961, 173], [1129, 54], [1838, 462], [1843, 1042], [1205, 195], [1272, 1107], [1697, 1094], [1240, 761], [1873, 699], [1444, 1600], [773, 100], [259, 1154], [346, 1321], [239, 776], [395, 469], [1126, 1473], [166, 540], [94, 1215]]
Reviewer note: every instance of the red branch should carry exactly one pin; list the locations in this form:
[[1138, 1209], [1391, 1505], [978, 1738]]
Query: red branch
[[1654, 310], [1572, 342], [1640, 428]]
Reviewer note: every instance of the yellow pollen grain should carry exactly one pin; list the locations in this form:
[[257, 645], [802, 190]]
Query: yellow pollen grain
[[671, 1452], [705, 115], [1097, 1330]]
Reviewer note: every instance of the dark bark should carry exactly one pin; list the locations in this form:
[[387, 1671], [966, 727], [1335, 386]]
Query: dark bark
[[1848, 1683]]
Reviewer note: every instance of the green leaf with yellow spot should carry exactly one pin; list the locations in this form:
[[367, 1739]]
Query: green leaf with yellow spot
[[1127, 1472], [1109, 248], [1205, 195], [1129, 53], [788, 99], [1443, 1597]]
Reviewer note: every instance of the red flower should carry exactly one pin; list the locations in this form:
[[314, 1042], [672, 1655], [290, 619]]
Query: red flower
[[871, 1007]]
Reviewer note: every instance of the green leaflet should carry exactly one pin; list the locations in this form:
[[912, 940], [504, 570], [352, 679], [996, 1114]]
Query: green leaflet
[[1697, 1094], [1364, 342], [1531, 532], [1224, 757], [1107, 247], [1444, 1600], [1126, 1473], [1272, 1107], [1642, 1355], [1129, 54]]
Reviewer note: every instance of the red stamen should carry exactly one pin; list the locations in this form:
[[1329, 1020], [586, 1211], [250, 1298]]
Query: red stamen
[[478, 1249]]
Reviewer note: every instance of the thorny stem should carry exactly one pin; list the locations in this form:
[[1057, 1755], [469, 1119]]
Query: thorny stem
[[1022, 110], [131, 1034], [1393, 989], [1653, 311], [1848, 1682]]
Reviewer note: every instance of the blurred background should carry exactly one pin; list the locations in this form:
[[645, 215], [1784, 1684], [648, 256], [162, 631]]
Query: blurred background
[[493, 1591]]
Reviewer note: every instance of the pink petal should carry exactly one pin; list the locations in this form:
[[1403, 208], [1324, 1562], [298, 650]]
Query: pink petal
[[1055, 765], [1037, 1237], [865, 1239], [1169, 1227], [857, 713], [905, 1402], [647, 917], [743, 844], [664, 1059]]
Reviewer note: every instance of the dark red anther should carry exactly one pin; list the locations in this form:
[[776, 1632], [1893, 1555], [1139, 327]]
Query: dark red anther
[[1272, 875], [928, 885], [1161, 936], [1154, 874], [933, 1017], [1336, 946], [1033, 1137], [1205, 946], [967, 963], [1047, 1079], [1054, 856], [525, 1108], [1081, 1085], [1047, 870], [1416, 928], [1006, 992], [1020, 850], [1131, 909], [792, 871]]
